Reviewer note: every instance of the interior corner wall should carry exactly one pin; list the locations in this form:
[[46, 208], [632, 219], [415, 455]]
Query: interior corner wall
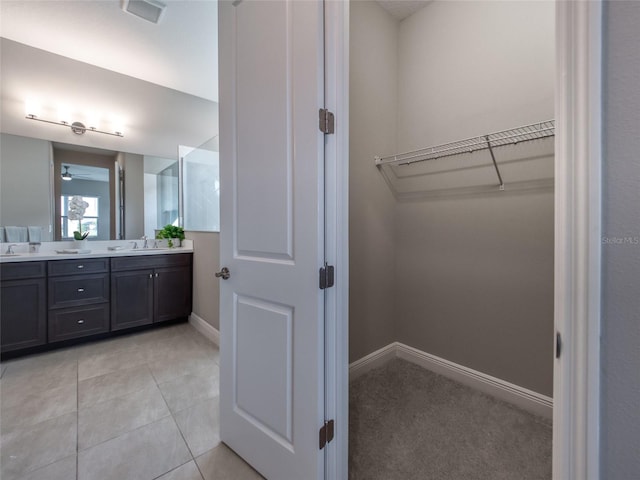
[[372, 131], [474, 275], [620, 354]]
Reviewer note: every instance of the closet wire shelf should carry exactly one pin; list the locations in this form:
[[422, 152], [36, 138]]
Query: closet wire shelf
[[512, 136]]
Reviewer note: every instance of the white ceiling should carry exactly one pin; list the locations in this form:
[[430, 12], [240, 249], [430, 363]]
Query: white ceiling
[[402, 9], [180, 52]]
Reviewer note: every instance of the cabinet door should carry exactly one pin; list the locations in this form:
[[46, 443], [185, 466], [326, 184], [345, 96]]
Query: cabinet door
[[131, 298], [23, 313], [172, 293]]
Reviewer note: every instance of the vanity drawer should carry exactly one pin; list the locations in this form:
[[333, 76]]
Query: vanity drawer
[[78, 290], [22, 270], [78, 266], [150, 261], [78, 322]]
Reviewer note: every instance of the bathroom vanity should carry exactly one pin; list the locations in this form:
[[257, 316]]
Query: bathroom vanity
[[47, 298]]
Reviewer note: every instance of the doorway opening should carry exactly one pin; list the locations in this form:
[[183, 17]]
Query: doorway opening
[[464, 236]]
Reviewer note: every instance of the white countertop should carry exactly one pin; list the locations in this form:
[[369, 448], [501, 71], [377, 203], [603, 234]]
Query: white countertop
[[97, 249]]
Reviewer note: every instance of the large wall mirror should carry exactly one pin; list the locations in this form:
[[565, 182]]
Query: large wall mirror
[[129, 195]]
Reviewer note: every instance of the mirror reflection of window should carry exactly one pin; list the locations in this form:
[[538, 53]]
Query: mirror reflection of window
[[89, 222], [93, 185]]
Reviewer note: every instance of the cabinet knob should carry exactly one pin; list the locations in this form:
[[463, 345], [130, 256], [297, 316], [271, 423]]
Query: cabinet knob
[[156, 275], [150, 275], [81, 290], [80, 322], [80, 266]]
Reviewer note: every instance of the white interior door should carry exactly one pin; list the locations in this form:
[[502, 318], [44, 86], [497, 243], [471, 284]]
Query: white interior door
[[272, 222]]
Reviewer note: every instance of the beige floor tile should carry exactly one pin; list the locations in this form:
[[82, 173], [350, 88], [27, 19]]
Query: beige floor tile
[[109, 419], [169, 367], [187, 390], [39, 360], [145, 453], [200, 426], [188, 471], [22, 411], [95, 365], [27, 376], [183, 345], [25, 450], [105, 387], [222, 463], [64, 469]]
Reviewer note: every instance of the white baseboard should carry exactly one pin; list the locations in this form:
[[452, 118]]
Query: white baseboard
[[205, 328], [371, 361], [521, 397]]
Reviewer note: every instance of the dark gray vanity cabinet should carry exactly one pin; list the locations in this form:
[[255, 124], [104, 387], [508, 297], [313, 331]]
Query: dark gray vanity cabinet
[[78, 298], [149, 289], [23, 305], [47, 302], [132, 298]]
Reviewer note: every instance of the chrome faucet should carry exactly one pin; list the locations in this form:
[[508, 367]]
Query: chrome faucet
[[135, 245], [146, 241], [10, 249]]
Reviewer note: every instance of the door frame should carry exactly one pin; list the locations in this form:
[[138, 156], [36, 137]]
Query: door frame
[[336, 20], [576, 405], [576, 426]]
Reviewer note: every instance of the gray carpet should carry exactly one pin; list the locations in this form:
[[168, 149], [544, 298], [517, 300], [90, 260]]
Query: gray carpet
[[406, 423]]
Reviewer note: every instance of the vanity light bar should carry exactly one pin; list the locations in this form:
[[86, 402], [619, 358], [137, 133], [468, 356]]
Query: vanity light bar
[[76, 127]]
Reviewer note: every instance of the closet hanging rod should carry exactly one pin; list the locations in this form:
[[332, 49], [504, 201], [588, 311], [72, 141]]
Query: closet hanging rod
[[511, 136]]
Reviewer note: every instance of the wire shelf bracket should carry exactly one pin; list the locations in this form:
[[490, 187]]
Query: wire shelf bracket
[[512, 136]]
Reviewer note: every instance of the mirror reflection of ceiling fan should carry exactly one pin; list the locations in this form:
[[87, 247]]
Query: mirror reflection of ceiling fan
[[67, 175]]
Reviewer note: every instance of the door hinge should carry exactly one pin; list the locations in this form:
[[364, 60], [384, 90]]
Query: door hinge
[[326, 433], [558, 344], [327, 121], [326, 276]]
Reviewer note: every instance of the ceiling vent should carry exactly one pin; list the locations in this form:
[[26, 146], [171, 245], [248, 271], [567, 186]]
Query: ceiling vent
[[149, 10]]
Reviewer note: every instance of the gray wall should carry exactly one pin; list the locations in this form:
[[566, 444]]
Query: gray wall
[[25, 185], [372, 131], [473, 278], [475, 274], [621, 261], [206, 288]]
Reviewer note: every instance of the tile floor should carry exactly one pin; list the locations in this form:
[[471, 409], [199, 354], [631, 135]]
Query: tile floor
[[137, 407]]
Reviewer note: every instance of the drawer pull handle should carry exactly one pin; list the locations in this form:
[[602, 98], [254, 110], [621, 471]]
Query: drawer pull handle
[[156, 275], [81, 290], [150, 275], [80, 322], [80, 266]]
